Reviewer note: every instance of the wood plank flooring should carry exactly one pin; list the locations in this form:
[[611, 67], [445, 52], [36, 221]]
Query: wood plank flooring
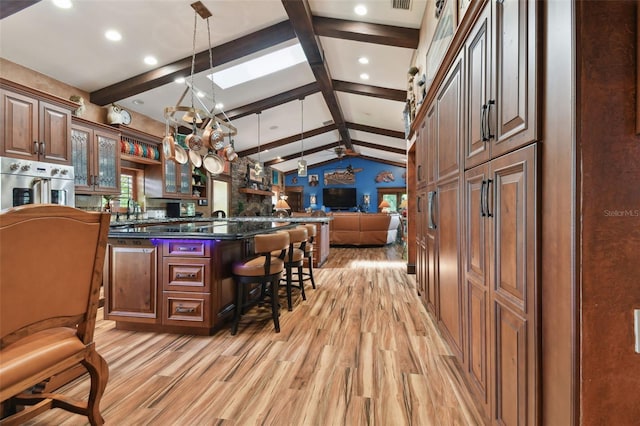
[[361, 350]]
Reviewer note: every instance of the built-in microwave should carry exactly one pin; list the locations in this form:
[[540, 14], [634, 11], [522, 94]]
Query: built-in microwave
[[181, 209]]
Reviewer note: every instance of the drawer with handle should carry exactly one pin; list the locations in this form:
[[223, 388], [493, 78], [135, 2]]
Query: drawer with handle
[[186, 274], [184, 248], [187, 309]]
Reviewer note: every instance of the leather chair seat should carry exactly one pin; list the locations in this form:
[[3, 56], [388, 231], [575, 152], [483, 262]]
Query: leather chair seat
[[37, 352], [255, 267]]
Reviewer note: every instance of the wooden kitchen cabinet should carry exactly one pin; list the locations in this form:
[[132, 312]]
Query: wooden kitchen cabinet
[[502, 80], [131, 282], [173, 180], [172, 285], [96, 157], [35, 126]]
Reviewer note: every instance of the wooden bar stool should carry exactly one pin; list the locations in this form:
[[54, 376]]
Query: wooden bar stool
[[264, 269], [294, 258], [307, 248]]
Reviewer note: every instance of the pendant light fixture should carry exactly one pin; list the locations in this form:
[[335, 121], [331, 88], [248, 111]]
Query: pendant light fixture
[[302, 164], [258, 166]]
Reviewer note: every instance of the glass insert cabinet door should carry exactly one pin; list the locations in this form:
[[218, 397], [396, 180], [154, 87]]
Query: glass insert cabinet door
[[170, 179], [80, 139], [107, 173], [95, 160]]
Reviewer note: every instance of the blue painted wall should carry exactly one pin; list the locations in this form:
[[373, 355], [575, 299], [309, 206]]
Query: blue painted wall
[[365, 180]]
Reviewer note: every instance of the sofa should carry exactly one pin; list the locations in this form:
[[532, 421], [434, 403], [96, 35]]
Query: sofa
[[363, 229]]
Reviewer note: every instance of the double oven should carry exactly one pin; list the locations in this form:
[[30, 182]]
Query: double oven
[[34, 182]]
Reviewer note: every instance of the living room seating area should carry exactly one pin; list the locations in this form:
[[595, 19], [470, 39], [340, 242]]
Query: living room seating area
[[363, 229]]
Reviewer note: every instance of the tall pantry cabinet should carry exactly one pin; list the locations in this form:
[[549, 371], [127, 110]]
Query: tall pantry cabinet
[[477, 227]]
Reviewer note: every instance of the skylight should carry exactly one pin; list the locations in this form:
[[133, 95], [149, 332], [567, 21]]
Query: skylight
[[259, 67]]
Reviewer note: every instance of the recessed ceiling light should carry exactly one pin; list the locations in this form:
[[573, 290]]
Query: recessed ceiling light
[[63, 4], [150, 60], [200, 94], [137, 102], [113, 35], [266, 150], [363, 60], [219, 105], [179, 80], [364, 76], [360, 10]]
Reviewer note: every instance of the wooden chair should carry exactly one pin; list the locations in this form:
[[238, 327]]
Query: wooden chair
[[265, 269], [307, 249], [219, 214], [294, 258], [51, 261]]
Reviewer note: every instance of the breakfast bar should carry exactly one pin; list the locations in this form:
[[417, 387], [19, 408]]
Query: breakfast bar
[[176, 276]]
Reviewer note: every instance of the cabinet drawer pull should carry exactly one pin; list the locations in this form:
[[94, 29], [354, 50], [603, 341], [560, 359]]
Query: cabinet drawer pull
[[187, 248], [186, 275], [185, 310]]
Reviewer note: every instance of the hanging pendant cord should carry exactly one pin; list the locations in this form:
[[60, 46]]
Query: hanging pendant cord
[[213, 89], [193, 58], [258, 113], [302, 128]]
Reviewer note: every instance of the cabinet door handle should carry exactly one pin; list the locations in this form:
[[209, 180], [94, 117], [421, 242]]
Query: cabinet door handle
[[419, 204], [486, 198], [35, 147], [419, 171], [184, 310], [482, 198], [489, 135], [186, 275], [431, 201], [43, 148], [483, 121]]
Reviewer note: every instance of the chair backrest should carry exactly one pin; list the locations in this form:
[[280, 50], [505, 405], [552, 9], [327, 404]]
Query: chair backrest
[[219, 213], [51, 262]]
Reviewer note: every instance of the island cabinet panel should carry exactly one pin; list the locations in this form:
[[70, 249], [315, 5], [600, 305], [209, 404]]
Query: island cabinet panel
[[130, 282]]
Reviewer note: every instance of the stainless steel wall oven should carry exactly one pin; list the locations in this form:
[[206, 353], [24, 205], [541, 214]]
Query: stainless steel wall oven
[[34, 182]]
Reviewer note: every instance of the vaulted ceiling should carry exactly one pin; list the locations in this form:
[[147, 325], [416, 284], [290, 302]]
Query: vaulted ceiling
[[308, 109]]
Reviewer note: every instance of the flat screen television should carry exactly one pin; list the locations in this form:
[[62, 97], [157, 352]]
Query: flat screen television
[[339, 198]]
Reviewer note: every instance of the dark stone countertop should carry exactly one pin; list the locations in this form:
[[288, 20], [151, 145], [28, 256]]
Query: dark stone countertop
[[230, 228], [196, 229]]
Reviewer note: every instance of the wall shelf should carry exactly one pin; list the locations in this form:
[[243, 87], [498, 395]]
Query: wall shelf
[[255, 192]]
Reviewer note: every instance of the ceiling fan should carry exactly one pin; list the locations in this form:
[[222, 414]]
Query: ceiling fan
[[341, 151]]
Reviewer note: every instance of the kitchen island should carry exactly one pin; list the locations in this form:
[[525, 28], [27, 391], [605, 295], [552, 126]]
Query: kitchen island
[[176, 276]]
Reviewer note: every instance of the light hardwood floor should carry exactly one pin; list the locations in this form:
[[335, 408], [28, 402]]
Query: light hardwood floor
[[361, 350]]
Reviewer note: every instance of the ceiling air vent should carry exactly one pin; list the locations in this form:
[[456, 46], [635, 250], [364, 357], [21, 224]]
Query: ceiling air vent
[[401, 4]]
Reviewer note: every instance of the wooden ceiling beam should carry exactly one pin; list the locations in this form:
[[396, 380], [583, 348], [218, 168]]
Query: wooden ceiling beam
[[273, 101], [392, 149], [376, 130], [9, 7], [288, 140], [300, 17], [222, 54], [366, 32], [368, 90], [326, 147]]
